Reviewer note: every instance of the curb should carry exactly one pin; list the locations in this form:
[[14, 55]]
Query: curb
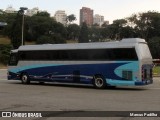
[[3, 69], [156, 76]]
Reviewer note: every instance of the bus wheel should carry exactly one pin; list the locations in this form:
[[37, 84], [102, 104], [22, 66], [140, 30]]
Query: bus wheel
[[25, 79], [99, 82]]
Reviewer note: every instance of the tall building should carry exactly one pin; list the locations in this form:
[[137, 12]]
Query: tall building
[[60, 16], [33, 11], [10, 9], [86, 15], [98, 19]]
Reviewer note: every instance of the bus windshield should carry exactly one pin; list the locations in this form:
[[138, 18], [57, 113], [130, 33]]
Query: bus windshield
[[13, 59]]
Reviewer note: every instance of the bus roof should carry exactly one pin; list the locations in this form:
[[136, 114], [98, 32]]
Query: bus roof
[[124, 43]]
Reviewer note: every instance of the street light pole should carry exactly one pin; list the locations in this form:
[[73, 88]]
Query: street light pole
[[22, 9], [22, 29]]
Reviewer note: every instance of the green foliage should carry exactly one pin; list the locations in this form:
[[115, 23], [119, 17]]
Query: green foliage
[[95, 34], [45, 40], [43, 14], [73, 31], [37, 26], [52, 39], [4, 53], [58, 39], [41, 27], [146, 25], [9, 19], [16, 31], [58, 28], [156, 70], [83, 37], [154, 45], [71, 18]]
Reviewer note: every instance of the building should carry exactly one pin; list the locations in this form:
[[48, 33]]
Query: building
[[61, 16], [98, 19], [1, 11], [10, 9], [106, 22], [31, 12], [86, 15]]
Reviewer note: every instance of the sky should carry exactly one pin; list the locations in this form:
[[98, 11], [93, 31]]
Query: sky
[[110, 9]]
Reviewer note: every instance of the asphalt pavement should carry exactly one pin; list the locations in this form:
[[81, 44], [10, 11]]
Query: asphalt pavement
[[15, 96]]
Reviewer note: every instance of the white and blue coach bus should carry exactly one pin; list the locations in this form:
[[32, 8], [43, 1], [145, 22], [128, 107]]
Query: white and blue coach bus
[[124, 63]]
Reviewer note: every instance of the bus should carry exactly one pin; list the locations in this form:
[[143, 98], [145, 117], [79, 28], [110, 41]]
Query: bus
[[120, 63]]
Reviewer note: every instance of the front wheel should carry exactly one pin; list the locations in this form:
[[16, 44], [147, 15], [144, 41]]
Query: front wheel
[[99, 82], [25, 79]]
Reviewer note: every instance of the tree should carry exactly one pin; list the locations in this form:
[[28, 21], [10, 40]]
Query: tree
[[8, 18], [118, 30], [108, 32], [5, 53], [154, 45], [44, 14], [118, 26], [73, 31], [83, 37], [45, 40], [146, 25], [16, 38], [58, 39], [70, 18], [95, 34], [37, 26]]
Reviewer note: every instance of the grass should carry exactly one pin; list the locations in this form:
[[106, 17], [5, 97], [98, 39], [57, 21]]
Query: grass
[[3, 66], [30, 43], [72, 41], [156, 70], [4, 40]]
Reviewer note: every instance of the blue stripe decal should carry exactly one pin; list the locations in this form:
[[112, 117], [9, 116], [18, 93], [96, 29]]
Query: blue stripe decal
[[105, 69], [19, 69]]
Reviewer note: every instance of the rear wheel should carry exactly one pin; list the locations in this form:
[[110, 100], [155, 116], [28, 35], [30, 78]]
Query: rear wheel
[[25, 79], [99, 82]]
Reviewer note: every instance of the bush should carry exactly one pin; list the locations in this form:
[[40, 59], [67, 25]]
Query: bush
[[154, 45], [51, 39], [45, 40], [4, 53]]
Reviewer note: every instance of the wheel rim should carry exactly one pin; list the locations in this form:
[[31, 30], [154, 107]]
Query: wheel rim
[[99, 82], [24, 78]]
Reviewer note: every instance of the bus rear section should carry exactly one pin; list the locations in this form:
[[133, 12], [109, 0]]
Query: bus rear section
[[146, 71], [146, 64]]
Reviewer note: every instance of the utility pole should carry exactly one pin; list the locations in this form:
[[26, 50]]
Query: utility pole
[[22, 9]]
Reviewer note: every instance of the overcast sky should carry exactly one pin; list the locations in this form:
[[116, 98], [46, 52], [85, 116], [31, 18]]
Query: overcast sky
[[110, 9]]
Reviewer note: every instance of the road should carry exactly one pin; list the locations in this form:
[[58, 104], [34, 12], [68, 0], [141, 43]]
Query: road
[[55, 97]]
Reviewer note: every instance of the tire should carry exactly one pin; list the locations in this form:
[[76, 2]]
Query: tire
[[25, 79], [99, 82]]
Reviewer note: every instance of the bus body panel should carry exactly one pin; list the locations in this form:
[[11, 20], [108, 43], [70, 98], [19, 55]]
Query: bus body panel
[[136, 71], [112, 72]]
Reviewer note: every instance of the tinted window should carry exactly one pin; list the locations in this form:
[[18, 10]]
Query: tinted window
[[84, 54], [13, 59]]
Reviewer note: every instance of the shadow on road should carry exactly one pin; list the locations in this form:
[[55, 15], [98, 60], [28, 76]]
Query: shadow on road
[[83, 86]]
